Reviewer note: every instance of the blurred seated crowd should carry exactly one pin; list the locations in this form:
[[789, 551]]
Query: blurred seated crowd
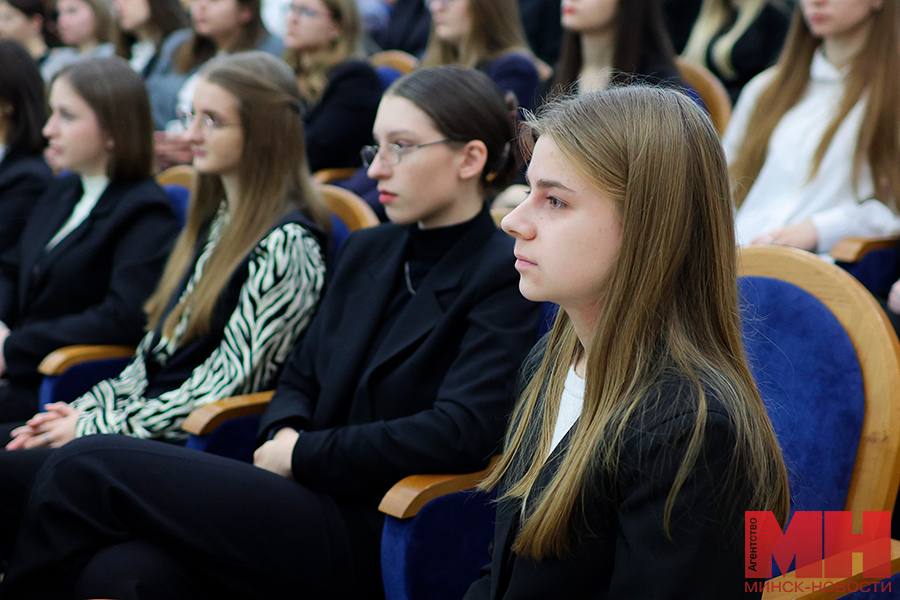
[[403, 342]]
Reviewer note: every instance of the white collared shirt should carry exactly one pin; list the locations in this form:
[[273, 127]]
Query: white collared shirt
[[93, 188], [783, 194]]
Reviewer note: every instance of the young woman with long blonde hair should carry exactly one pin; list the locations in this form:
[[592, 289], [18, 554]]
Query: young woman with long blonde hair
[[640, 439], [814, 143]]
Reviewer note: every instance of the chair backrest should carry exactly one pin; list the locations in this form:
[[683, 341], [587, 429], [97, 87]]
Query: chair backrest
[[397, 59], [827, 364], [178, 182], [710, 89], [391, 65], [350, 208]]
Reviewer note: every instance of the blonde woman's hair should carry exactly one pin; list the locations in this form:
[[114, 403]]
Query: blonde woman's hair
[[670, 312], [874, 77], [496, 30], [714, 15], [313, 69], [273, 180]]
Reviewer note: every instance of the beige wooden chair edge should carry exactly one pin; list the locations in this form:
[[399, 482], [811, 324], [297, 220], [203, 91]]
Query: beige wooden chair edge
[[61, 359], [203, 420], [407, 497], [349, 207]]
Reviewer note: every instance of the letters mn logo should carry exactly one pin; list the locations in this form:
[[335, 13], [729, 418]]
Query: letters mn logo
[[823, 547]]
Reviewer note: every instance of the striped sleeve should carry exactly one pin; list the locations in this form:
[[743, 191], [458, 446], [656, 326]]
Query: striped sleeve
[[276, 303]]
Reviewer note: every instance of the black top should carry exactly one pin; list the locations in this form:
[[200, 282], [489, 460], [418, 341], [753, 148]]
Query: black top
[[340, 124], [90, 288], [435, 395], [755, 51], [408, 28], [620, 549], [541, 20], [23, 179]]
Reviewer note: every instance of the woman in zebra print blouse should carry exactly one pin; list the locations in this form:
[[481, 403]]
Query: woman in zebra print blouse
[[245, 275]]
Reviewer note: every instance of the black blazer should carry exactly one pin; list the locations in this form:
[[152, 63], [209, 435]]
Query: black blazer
[[435, 397], [620, 550], [23, 178], [341, 122], [89, 289]]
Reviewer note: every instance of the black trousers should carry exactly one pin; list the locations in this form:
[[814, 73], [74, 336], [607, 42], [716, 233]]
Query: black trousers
[[18, 400], [115, 517]]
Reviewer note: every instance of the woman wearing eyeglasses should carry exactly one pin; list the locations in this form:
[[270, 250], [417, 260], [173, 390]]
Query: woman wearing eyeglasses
[[407, 368], [340, 91], [243, 279]]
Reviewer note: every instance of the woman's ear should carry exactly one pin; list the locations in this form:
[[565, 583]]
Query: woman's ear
[[474, 158]]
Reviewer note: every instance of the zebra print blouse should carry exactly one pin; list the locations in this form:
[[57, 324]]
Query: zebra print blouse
[[275, 304]]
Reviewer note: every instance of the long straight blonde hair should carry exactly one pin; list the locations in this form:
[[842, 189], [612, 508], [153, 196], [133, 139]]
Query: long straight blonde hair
[[670, 308], [313, 69], [496, 30], [274, 179], [874, 73], [714, 15]]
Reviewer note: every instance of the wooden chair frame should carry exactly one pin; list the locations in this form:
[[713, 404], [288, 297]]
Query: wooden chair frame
[[711, 90], [350, 208]]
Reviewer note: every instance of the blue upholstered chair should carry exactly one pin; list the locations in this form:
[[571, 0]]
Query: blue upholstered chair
[[827, 365], [391, 65], [178, 182]]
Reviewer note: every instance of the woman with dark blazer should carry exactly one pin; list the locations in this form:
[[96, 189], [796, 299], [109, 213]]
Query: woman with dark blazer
[[639, 440], [93, 248], [24, 175], [340, 89], [407, 367]]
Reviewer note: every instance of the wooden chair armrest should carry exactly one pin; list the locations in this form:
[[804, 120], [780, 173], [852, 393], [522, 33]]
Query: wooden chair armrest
[[58, 361], [803, 588], [852, 249], [410, 494], [329, 175], [204, 419]]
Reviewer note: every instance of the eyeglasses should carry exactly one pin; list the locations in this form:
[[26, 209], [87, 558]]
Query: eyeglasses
[[393, 152], [207, 122], [299, 10]]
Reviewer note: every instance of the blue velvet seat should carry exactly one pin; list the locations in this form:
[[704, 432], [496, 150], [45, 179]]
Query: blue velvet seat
[[827, 366]]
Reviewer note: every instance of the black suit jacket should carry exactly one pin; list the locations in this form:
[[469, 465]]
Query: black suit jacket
[[340, 124], [23, 179], [89, 289], [436, 396], [620, 550]]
